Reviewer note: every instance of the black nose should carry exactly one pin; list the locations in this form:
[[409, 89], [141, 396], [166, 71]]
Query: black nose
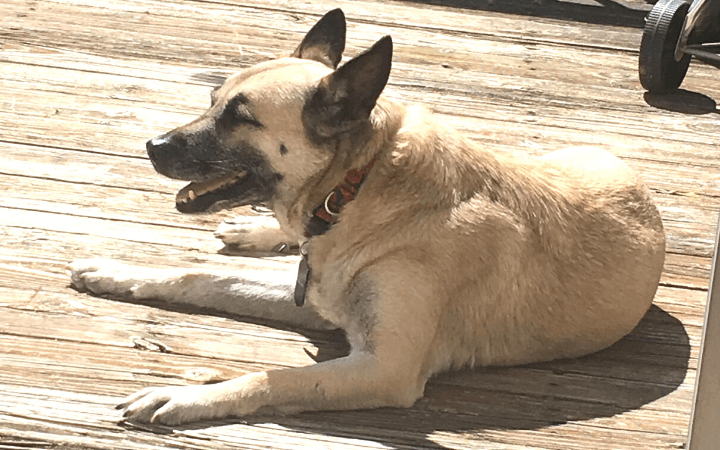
[[156, 146]]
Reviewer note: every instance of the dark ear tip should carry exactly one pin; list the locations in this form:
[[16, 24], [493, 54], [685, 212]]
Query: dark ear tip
[[336, 13], [385, 43], [337, 17]]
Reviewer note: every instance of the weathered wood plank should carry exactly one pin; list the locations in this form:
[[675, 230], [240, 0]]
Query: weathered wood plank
[[531, 91], [251, 23], [493, 97], [75, 419], [80, 367], [479, 20]]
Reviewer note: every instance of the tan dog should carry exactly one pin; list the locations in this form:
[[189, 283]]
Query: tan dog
[[448, 255]]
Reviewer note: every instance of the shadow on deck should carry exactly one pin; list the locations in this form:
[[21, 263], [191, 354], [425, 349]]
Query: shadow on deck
[[602, 12], [645, 366]]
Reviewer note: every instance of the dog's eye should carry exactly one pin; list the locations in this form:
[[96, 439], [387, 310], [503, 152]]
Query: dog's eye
[[236, 113], [243, 119], [234, 118]]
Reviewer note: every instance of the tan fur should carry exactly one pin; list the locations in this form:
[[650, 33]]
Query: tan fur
[[450, 256], [524, 261]]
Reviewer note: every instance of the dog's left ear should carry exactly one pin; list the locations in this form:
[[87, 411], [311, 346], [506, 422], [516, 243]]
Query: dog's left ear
[[325, 41], [346, 97]]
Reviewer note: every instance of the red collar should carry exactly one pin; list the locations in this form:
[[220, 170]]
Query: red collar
[[343, 193]]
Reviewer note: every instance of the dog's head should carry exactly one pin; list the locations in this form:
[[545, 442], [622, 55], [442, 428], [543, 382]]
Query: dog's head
[[274, 126]]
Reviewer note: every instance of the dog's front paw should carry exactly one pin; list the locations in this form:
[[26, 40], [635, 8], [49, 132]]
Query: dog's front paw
[[101, 277], [175, 405], [253, 233]]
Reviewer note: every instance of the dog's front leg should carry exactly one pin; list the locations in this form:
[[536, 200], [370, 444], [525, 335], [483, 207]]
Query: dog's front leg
[[264, 294], [357, 381], [387, 367]]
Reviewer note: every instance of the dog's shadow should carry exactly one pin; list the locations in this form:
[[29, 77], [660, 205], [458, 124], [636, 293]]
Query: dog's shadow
[[645, 366]]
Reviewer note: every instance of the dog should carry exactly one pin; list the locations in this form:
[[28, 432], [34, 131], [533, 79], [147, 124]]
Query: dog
[[430, 252]]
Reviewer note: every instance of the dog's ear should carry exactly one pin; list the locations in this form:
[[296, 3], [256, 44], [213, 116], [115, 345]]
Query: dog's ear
[[325, 41], [346, 97]]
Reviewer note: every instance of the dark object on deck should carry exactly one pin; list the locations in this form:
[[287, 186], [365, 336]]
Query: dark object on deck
[[675, 30]]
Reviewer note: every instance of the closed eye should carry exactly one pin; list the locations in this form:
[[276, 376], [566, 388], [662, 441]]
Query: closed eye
[[248, 120], [236, 113]]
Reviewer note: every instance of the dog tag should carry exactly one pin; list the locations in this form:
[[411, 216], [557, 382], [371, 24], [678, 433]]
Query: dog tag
[[302, 281]]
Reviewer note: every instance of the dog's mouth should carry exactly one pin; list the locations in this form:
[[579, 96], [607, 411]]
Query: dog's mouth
[[213, 195]]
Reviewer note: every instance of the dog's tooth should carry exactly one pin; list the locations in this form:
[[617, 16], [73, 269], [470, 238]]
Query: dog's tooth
[[191, 195]]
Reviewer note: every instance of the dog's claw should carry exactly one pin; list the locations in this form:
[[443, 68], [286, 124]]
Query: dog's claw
[[282, 247], [174, 405]]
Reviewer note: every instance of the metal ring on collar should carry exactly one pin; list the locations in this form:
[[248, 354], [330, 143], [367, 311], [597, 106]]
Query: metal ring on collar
[[327, 207]]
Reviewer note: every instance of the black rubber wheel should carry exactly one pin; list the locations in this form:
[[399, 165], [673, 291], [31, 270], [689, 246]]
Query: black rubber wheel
[[659, 71]]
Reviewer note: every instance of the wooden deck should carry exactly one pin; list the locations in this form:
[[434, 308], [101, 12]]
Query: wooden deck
[[83, 85]]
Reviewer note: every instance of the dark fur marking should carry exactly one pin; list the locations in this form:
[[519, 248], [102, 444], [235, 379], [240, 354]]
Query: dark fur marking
[[283, 149], [236, 113], [361, 299]]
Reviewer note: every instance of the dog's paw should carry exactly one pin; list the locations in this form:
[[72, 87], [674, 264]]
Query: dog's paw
[[175, 405], [102, 277], [253, 233]]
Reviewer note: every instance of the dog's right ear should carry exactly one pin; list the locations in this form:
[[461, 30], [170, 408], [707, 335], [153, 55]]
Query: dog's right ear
[[344, 99], [325, 41]]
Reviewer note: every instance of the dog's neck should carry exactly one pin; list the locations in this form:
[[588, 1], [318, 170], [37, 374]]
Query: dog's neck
[[324, 214], [352, 152]]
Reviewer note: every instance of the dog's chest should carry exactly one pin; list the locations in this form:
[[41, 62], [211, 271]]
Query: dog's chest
[[325, 295], [327, 291]]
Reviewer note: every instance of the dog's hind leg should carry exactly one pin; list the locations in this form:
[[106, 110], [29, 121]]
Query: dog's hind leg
[[254, 233], [264, 294]]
